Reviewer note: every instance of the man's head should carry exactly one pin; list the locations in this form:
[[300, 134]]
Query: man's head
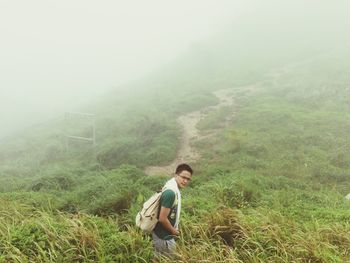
[[183, 174]]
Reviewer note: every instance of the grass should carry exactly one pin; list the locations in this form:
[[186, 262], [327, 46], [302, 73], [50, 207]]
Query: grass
[[269, 188]]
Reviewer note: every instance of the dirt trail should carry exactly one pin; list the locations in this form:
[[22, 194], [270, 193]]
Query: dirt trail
[[188, 122]]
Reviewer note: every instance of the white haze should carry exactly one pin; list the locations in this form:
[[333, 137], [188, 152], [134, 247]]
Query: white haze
[[58, 55]]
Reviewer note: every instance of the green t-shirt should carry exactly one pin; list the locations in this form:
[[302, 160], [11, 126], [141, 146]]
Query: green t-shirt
[[167, 200]]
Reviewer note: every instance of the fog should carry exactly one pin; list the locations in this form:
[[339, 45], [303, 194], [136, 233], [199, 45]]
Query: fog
[[58, 55]]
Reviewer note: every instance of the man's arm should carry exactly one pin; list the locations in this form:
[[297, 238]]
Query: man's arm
[[163, 219]]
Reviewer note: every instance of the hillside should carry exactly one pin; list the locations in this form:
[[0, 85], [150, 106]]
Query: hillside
[[271, 168]]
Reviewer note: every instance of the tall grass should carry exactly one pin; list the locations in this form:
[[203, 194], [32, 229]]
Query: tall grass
[[269, 188]]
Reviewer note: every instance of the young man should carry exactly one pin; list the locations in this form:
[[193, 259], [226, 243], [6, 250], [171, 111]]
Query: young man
[[167, 230]]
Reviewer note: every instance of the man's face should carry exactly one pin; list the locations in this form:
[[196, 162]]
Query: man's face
[[183, 178]]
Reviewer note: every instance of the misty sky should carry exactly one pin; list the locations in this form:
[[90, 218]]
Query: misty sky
[[57, 55]]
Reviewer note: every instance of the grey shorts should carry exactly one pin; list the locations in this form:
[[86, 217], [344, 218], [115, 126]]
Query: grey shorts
[[163, 247]]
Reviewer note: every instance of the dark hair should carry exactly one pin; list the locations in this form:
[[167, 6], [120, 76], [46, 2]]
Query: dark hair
[[183, 167]]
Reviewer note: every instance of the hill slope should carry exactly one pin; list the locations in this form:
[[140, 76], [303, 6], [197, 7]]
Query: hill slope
[[269, 185]]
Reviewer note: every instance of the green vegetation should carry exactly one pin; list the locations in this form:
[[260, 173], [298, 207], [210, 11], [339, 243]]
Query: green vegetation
[[269, 187]]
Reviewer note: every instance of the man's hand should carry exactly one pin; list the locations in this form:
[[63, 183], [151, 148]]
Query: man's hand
[[163, 219], [176, 232]]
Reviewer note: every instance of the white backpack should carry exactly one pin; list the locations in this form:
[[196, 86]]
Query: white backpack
[[147, 218]]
